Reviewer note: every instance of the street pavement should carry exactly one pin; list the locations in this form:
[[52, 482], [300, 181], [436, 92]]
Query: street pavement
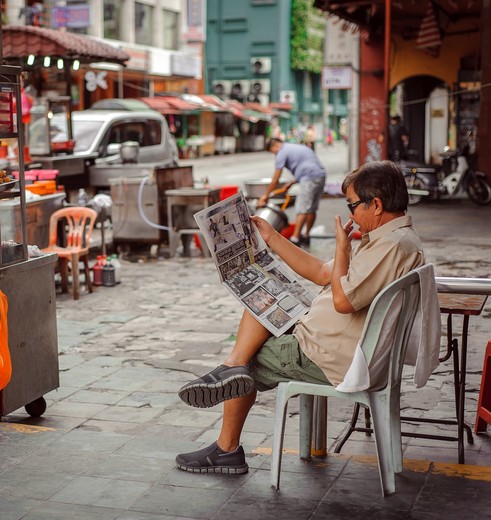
[[105, 447]]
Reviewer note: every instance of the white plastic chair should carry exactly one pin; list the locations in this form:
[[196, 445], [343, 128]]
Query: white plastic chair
[[389, 322]]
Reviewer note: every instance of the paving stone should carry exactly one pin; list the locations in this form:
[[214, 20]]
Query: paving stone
[[200, 503], [14, 507], [101, 492], [37, 484]]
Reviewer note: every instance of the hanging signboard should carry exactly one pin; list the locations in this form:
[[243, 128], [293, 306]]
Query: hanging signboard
[[336, 78]]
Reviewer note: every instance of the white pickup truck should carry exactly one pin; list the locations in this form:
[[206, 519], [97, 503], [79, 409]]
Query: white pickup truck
[[98, 135]]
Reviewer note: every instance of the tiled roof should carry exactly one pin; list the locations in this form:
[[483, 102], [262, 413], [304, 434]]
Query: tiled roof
[[21, 41]]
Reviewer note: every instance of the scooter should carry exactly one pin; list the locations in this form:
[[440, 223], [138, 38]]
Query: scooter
[[447, 180]]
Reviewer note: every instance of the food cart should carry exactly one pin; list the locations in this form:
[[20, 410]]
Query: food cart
[[28, 283]]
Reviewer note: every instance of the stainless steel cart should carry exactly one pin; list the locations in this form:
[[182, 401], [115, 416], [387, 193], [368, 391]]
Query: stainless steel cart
[[28, 283]]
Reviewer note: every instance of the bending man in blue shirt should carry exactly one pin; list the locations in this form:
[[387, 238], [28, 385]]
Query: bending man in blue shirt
[[305, 166]]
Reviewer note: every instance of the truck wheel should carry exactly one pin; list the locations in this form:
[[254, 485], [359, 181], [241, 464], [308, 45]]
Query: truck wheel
[[37, 407]]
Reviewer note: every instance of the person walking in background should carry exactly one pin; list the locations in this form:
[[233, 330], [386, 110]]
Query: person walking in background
[[307, 170], [292, 136], [398, 139], [310, 137], [329, 137]]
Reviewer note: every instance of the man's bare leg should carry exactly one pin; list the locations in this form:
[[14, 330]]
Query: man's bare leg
[[309, 223], [299, 223], [251, 336], [235, 413]]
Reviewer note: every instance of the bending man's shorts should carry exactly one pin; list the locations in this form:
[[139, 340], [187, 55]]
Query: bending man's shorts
[[310, 193], [282, 359]]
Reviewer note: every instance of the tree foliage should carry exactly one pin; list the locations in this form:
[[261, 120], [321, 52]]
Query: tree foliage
[[307, 37]]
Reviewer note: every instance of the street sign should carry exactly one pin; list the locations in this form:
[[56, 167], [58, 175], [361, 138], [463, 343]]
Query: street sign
[[336, 78]]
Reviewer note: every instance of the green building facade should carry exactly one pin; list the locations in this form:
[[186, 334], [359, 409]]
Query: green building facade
[[267, 51]]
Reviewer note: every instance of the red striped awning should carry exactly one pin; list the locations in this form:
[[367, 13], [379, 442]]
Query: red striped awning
[[429, 36]]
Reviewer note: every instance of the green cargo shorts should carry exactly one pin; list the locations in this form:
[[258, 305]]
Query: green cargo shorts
[[282, 359]]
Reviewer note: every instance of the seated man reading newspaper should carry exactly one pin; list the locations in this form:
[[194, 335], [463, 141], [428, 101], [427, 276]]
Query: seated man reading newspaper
[[322, 344]]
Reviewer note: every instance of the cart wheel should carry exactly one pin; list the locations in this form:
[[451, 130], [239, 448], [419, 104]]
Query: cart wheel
[[37, 407]]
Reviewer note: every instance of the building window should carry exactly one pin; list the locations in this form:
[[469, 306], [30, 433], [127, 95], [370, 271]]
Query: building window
[[143, 24], [171, 29], [112, 19]]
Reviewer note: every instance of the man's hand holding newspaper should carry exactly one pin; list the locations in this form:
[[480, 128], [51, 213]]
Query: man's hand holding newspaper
[[256, 276]]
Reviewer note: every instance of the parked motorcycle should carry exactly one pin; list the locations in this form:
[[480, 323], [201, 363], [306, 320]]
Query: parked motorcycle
[[447, 180]]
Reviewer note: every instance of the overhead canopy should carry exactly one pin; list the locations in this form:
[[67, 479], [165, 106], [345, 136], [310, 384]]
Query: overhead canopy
[[242, 112], [162, 105], [19, 42], [120, 104], [216, 101], [462, 16]]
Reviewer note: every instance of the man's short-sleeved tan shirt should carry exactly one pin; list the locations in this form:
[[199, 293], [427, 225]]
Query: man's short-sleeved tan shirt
[[385, 254]]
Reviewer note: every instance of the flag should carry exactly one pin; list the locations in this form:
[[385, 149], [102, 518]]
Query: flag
[[429, 37]]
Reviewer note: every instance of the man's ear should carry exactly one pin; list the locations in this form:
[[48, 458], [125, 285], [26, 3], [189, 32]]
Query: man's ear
[[379, 206]]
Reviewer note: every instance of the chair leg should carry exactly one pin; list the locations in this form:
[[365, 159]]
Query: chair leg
[[88, 281], [75, 277], [306, 416], [368, 423], [279, 431], [395, 430], [63, 262], [383, 442], [351, 428]]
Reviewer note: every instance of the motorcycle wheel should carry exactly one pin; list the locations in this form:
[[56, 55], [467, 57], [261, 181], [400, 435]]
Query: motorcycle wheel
[[478, 189], [415, 183]]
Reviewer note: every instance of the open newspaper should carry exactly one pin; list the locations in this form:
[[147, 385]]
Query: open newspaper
[[256, 276]]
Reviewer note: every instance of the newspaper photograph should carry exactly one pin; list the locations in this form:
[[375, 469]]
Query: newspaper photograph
[[256, 276]]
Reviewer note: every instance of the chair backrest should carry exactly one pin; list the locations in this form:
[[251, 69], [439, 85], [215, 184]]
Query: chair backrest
[[388, 328], [79, 223]]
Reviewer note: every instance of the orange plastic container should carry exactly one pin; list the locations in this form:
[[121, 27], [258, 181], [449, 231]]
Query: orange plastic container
[[42, 187]]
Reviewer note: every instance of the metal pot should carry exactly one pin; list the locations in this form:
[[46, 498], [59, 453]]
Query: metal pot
[[273, 215], [130, 150], [255, 189]]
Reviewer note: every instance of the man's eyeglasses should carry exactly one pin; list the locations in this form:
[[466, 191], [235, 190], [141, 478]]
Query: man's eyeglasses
[[353, 205]]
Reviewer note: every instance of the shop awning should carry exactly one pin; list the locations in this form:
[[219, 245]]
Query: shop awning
[[247, 114], [183, 107], [160, 105], [19, 42], [215, 102]]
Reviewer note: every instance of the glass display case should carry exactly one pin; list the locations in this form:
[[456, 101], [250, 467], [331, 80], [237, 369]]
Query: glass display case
[[51, 132], [12, 250]]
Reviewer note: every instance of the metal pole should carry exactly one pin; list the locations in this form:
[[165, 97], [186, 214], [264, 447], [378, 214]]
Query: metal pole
[[387, 74], [319, 427], [354, 110]]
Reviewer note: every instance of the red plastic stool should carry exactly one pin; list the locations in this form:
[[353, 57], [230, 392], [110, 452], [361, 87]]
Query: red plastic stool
[[483, 417]]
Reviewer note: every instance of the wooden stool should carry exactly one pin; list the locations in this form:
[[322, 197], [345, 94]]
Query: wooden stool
[[483, 417]]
